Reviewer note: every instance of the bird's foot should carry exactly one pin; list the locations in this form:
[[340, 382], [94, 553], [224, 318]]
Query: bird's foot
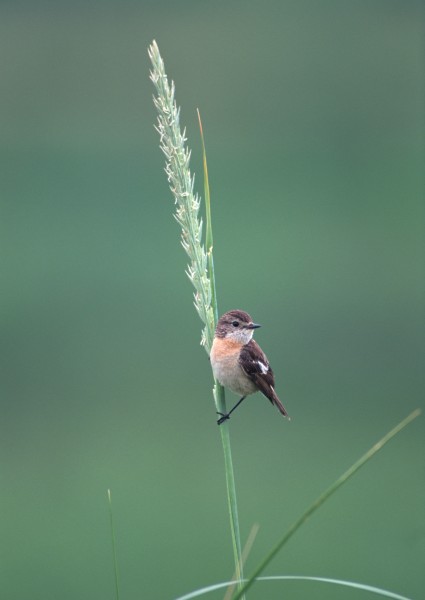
[[224, 417]]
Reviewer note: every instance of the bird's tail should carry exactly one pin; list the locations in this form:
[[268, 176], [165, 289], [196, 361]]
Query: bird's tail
[[280, 406]]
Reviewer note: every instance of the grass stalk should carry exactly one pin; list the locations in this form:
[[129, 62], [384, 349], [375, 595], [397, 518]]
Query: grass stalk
[[200, 269]]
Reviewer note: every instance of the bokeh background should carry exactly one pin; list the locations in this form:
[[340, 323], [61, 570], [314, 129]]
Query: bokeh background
[[314, 123]]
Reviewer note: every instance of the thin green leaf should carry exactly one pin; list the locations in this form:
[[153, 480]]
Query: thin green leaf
[[114, 549], [341, 582], [245, 553], [323, 497], [208, 228], [219, 393]]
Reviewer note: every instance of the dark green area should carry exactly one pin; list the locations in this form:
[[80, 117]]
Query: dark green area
[[314, 125]]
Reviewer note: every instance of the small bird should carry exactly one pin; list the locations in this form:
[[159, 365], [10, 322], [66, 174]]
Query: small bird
[[239, 363]]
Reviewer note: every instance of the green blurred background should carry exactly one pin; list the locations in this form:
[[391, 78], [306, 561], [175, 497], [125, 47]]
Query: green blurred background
[[313, 116]]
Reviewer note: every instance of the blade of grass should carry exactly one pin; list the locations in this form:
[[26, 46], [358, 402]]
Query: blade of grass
[[245, 553], [324, 496], [219, 393], [208, 227], [114, 548], [351, 584]]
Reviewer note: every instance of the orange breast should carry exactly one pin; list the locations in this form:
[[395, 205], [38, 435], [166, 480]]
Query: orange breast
[[223, 347], [226, 368]]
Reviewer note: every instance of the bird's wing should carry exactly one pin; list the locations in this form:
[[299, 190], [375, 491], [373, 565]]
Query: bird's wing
[[255, 364]]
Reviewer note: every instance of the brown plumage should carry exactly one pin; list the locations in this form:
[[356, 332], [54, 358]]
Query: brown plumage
[[238, 361], [251, 359]]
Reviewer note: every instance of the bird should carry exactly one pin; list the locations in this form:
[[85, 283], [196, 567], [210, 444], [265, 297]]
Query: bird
[[238, 362]]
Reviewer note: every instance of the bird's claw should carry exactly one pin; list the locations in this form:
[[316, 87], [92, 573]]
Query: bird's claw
[[224, 417]]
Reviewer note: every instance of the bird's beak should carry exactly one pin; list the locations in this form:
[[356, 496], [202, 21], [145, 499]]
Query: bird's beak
[[253, 326]]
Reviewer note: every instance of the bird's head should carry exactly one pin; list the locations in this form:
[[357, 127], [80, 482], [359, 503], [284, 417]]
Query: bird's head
[[236, 325]]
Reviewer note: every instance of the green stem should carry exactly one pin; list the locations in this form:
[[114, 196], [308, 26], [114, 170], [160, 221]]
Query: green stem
[[231, 487]]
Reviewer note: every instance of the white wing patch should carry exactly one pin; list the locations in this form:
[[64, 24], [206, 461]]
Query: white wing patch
[[263, 368]]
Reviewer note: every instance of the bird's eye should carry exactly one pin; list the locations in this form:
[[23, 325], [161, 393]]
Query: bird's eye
[[235, 323]]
